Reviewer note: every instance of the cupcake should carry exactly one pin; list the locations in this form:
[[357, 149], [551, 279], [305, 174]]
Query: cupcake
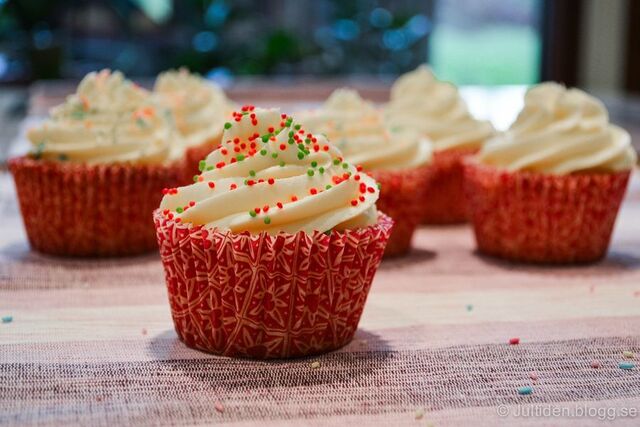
[[399, 160], [549, 189], [435, 109], [199, 107], [270, 253], [96, 171]]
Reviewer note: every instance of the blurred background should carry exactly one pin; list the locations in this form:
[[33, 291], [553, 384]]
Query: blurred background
[[594, 44]]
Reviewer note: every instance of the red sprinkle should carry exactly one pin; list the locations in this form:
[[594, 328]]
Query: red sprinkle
[[371, 190], [265, 208], [294, 199], [514, 341], [283, 147], [313, 191], [279, 205], [212, 184], [354, 202], [233, 186], [192, 203], [271, 181]]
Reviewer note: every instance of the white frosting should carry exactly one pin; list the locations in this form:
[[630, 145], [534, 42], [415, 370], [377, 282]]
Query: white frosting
[[357, 129], [561, 131], [265, 161], [199, 107], [109, 119], [433, 108]]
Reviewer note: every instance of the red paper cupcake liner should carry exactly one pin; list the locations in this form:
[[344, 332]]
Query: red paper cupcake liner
[[543, 218], [402, 198], [263, 296], [194, 154], [99, 210], [445, 194]]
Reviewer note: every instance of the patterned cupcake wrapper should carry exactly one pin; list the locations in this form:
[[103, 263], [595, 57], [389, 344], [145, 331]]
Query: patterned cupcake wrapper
[[402, 198], [543, 218], [263, 296], [446, 203], [90, 210]]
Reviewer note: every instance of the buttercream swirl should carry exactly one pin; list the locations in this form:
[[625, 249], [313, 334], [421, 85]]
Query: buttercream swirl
[[561, 131], [433, 108], [271, 175], [109, 119], [357, 129], [199, 107]]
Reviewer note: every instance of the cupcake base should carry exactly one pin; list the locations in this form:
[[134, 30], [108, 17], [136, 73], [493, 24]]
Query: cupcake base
[[263, 296], [99, 210], [446, 203], [543, 218], [402, 198]]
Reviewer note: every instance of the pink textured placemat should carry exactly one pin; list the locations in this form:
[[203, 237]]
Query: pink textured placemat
[[91, 342]]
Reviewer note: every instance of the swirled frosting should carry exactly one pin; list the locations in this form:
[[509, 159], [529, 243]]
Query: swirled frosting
[[109, 119], [561, 131], [357, 129], [433, 108], [269, 174], [199, 107]]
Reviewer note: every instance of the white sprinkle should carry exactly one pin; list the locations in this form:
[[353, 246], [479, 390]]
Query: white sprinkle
[[315, 365]]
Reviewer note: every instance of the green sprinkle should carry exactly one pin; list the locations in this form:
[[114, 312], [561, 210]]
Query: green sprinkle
[[246, 182], [314, 164], [266, 137], [307, 152], [274, 155], [328, 187], [7, 319], [140, 122], [297, 127], [179, 210], [209, 168], [252, 214], [345, 165], [291, 133], [267, 220], [240, 157], [202, 165], [300, 155], [263, 152], [336, 162], [310, 172], [525, 391], [195, 178], [321, 169], [78, 114], [379, 185], [291, 141], [328, 232], [252, 173], [301, 147], [227, 125], [627, 366], [307, 141], [282, 164]]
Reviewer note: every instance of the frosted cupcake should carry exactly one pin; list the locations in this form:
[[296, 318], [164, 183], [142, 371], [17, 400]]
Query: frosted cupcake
[[199, 107], [399, 160], [435, 109], [271, 252], [549, 189], [96, 171]]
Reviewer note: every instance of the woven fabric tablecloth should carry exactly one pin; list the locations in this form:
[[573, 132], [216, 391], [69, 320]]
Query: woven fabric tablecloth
[[91, 342]]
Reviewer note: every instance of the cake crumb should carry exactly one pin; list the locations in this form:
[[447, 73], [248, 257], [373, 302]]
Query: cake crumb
[[419, 414], [315, 365]]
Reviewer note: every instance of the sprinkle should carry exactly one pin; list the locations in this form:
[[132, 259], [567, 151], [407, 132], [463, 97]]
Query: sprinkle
[[274, 155], [252, 173], [271, 181], [252, 214], [469, 307], [279, 205], [202, 165], [218, 407], [263, 152], [294, 198], [195, 178], [314, 164], [227, 125], [354, 202], [533, 375], [310, 172], [267, 220], [265, 208], [144, 331], [257, 210], [525, 391], [514, 341], [628, 354], [321, 169], [282, 164], [627, 366], [336, 162], [283, 147], [233, 186], [345, 165], [419, 414], [328, 186], [265, 137], [7, 319], [313, 191], [300, 155], [179, 210], [240, 157], [315, 364], [595, 364]]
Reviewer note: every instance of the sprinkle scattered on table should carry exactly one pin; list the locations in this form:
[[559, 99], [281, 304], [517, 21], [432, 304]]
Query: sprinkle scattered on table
[[419, 414], [315, 365], [469, 307], [144, 331], [626, 365], [595, 364], [533, 375], [218, 407], [527, 390], [628, 354], [7, 319], [514, 341]]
